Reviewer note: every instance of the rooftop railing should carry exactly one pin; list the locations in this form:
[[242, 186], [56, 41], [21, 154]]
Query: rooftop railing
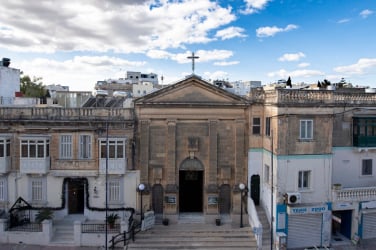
[[354, 194], [58, 113]]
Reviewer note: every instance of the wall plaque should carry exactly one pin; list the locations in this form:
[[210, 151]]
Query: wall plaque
[[212, 200], [170, 199]]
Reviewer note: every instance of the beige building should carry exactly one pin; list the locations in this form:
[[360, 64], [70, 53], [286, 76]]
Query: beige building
[[192, 149]]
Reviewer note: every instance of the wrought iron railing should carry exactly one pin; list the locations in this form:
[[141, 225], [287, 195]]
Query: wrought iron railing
[[100, 228], [24, 227]]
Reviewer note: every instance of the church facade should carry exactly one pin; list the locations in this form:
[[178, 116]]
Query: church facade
[[192, 149]]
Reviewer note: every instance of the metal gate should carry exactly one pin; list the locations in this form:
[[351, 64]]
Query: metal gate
[[369, 224], [304, 230], [225, 199], [157, 201]]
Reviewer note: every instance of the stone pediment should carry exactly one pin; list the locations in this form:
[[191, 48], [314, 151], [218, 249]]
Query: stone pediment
[[191, 91]]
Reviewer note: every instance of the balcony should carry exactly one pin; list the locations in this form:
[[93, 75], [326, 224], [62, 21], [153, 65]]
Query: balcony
[[4, 165], [354, 194], [34, 165], [364, 141], [115, 166]]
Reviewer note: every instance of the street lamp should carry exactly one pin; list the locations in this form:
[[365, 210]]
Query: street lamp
[[241, 187], [141, 188]]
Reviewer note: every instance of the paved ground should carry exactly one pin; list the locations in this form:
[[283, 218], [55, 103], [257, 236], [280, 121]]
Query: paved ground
[[365, 245], [35, 247]]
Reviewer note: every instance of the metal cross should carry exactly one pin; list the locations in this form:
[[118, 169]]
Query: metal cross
[[193, 57]]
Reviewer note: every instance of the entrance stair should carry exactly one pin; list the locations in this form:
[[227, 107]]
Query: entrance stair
[[265, 227], [195, 236], [63, 230]]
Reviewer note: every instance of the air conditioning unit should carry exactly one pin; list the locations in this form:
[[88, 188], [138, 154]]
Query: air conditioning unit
[[293, 198]]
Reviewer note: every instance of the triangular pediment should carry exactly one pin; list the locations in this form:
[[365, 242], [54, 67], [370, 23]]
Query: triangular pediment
[[190, 91]]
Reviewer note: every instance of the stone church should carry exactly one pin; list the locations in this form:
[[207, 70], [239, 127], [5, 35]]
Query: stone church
[[192, 142]]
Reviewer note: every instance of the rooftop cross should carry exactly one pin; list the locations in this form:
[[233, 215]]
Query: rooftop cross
[[193, 57]]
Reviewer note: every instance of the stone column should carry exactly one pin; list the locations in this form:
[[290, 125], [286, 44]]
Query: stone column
[[171, 168], [144, 151], [213, 153], [240, 137]]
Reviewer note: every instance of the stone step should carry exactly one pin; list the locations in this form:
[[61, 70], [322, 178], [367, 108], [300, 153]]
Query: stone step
[[195, 236], [63, 232]]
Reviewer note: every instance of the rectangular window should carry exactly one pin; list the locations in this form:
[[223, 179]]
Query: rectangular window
[[304, 179], [35, 148], [306, 129], [267, 126], [4, 147], [37, 190], [364, 131], [66, 150], [85, 147], [267, 174], [3, 189], [114, 191], [367, 167], [256, 126], [116, 148]]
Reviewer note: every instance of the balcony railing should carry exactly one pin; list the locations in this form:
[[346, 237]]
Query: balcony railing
[[115, 166], [354, 194], [4, 165], [34, 165], [364, 141], [70, 114]]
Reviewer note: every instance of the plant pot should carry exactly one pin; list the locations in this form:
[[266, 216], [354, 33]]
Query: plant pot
[[218, 222], [165, 222]]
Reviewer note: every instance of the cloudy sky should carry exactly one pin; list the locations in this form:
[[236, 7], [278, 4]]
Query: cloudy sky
[[77, 43]]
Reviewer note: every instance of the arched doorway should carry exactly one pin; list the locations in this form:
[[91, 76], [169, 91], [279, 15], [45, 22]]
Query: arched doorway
[[76, 196], [191, 182], [255, 189]]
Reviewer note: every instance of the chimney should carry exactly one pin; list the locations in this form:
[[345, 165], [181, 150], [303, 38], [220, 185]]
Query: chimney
[[5, 62]]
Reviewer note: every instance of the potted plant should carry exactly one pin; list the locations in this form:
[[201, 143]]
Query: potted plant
[[165, 221], [44, 214], [111, 218]]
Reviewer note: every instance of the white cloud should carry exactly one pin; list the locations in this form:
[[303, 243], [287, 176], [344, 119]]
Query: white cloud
[[361, 67], [159, 54], [119, 26], [226, 63], [365, 13], [253, 6], [303, 65], [217, 75], [204, 55], [282, 73], [82, 72], [230, 32], [291, 57], [345, 20], [271, 31]]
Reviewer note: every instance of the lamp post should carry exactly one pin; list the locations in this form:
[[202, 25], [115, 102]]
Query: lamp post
[[141, 188], [241, 187]]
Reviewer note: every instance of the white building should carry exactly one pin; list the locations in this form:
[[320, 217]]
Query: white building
[[311, 164], [142, 88], [9, 82]]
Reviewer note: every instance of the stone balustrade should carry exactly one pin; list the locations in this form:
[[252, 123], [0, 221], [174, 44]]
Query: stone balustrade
[[64, 114], [309, 97], [354, 194]]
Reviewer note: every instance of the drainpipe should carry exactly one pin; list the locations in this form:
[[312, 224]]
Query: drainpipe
[[18, 176]]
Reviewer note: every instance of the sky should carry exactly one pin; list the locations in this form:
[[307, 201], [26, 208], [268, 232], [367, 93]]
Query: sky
[[77, 43]]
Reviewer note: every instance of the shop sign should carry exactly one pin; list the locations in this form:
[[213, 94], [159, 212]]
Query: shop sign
[[307, 210]]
